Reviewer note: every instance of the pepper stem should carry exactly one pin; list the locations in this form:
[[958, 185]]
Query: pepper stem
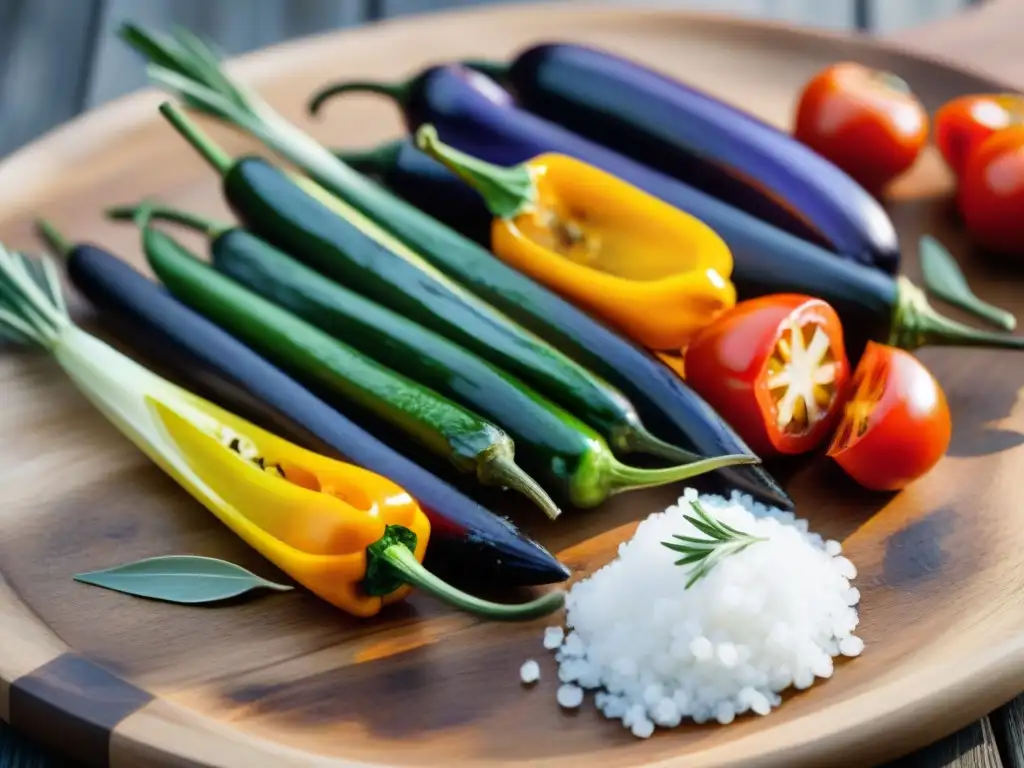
[[53, 238], [397, 91], [917, 324], [639, 440], [620, 477], [219, 159], [372, 161], [496, 70], [209, 227], [502, 470], [391, 562], [507, 191]]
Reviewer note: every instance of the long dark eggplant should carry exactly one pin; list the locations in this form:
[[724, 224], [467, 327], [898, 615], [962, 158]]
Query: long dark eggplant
[[693, 136], [665, 403], [468, 542], [469, 113]]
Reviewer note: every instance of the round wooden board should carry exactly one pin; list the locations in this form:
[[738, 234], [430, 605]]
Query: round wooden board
[[288, 681]]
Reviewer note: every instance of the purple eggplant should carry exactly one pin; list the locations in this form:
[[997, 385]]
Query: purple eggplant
[[470, 113], [696, 138]]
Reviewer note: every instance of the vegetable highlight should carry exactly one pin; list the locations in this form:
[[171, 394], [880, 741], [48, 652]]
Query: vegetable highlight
[[469, 544], [184, 65], [466, 441], [651, 270], [350, 536]]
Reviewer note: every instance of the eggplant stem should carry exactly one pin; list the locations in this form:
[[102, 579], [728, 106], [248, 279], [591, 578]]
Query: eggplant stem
[[397, 91], [917, 324], [53, 238], [507, 191], [377, 160], [209, 227], [220, 160], [502, 470], [401, 559], [639, 440]]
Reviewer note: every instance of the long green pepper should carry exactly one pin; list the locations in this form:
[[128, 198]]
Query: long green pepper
[[567, 457], [468, 442]]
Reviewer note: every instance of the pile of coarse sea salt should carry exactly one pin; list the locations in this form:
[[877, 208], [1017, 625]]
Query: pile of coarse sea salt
[[770, 617]]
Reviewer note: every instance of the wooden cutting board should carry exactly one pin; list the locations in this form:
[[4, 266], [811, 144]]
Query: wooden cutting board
[[288, 681]]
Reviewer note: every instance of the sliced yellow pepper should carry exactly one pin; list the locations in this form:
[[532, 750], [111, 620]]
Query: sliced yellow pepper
[[350, 536], [657, 273]]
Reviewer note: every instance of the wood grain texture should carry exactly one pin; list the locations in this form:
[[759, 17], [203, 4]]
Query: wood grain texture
[[38, 87], [275, 671], [1008, 724], [234, 26], [971, 747]]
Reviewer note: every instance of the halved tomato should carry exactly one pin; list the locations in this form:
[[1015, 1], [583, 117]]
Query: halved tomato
[[775, 369], [896, 423]]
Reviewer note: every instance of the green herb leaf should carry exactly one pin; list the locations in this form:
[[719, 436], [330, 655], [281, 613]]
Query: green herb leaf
[[187, 579], [703, 554], [942, 277]]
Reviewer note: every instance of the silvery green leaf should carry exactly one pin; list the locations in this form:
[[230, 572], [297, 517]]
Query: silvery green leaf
[[942, 277], [188, 579]]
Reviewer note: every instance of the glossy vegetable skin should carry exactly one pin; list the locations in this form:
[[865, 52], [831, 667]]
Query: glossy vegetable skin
[[867, 122], [468, 442], [964, 123], [569, 457], [649, 269], [766, 260], [775, 367], [661, 398], [469, 543], [315, 227], [896, 424], [352, 537], [990, 195], [710, 144]]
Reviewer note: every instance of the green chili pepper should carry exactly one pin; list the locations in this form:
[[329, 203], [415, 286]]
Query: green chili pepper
[[322, 231], [468, 442], [567, 455]]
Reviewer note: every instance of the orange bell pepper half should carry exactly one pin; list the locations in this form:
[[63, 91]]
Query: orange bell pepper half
[[653, 271]]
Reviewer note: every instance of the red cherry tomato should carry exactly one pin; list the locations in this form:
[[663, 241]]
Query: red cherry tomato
[[775, 368], [991, 193], [895, 424], [961, 125], [865, 121]]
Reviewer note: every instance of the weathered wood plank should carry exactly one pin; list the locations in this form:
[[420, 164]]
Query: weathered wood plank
[[233, 26], [835, 14], [44, 45], [1008, 724], [888, 17], [972, 747]]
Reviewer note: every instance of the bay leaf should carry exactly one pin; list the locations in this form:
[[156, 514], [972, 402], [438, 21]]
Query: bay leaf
[[186, 579], [942, 277]]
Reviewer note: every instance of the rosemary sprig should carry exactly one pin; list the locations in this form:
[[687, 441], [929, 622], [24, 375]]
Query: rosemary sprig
[[723, 540]]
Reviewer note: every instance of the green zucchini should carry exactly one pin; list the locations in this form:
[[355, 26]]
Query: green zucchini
[[470, 443]]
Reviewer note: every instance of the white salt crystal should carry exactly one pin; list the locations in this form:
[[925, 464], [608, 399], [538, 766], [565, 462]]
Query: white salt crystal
[[569, 696], [529, 672]]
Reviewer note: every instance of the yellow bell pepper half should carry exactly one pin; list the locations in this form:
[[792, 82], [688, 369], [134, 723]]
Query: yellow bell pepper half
[[655, 272], [350, 536]]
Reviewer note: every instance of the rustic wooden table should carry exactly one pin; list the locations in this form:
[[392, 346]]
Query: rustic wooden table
[[39, 90]]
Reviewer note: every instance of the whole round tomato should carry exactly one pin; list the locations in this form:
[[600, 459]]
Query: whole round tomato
[[961, 125], [895, 424], [991, 192], [775, 369], [865, 121]]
